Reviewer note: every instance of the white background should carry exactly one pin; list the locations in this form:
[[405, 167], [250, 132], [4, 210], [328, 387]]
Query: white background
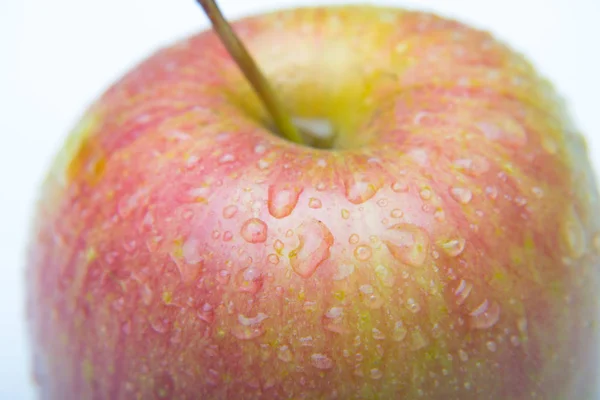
[[57, 56]]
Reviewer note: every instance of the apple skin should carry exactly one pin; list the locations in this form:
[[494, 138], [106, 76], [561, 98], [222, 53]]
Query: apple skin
[[447, 247]]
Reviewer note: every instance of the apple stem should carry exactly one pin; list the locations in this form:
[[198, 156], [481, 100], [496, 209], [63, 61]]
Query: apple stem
[[244, 60]]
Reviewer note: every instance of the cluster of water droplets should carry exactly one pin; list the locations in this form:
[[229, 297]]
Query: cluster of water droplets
[[409, 244]]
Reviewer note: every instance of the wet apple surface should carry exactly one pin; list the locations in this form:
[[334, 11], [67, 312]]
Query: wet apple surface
[[444, 245]]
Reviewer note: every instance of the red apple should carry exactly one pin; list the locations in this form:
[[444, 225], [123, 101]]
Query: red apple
[[443, 243]]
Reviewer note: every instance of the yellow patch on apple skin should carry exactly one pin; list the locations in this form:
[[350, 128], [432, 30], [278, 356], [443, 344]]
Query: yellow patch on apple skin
[[80, 156], [87, 162]]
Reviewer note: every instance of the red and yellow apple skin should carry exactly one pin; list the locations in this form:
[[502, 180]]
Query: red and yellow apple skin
[[446, 247]]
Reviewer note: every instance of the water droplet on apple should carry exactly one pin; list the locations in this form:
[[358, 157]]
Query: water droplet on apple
[[461, 195], [315, 243], [284, 354], [538, 192], [227, 236], [462, 291], [226, 158], [250, 321], [333, 320], [373, 300], [321, 361], [384, 275], [206, 313], [191, 251], [399, 332], [377, 334], [492, 192], [436, 331], [247, 332], [190, 267], [419, 117], [345, 213], [462, 355], [363, 252], [485, 315], [425, 193], [249, 280], [334, 312], [491, 346], [278, 246], [400, 187], [407, 243], [223, 277], [507, 131], [229, 211], [254, 230], [376, 373], [396, 213], [520, 201], [353, 239], [474, 166], [260, 148], [453, 247], [366, 289], [273, 259], [322, 163], [439, 214], [309, 305], [314, 203], [263, 164], [192, 161], [370, 296], [343, 271], [198, 194], [413, 306], [306, 341], [283, 199], [159, 325], [359, 189]]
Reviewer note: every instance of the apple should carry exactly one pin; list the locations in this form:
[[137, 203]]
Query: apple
[[395, 206]]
